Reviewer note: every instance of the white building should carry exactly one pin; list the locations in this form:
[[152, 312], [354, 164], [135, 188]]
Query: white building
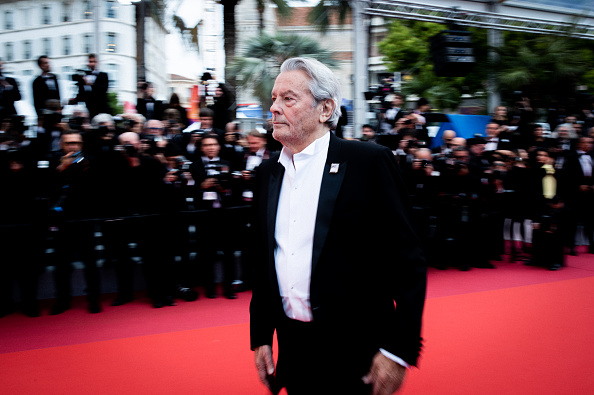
[[65, 30]]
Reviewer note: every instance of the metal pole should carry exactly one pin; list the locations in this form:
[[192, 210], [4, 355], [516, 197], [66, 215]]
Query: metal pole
[[96, 10], [494, 40], [360, 67], [140, 66]]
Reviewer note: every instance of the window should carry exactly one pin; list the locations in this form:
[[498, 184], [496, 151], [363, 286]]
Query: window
[[27, 72], [46, 46], [66, 46], [46, 15], [111, 42], [26, 17], [87, 9], [8, 20], [27, 49], [111, 10], [87, 43], [66, 12], [8, 52], [113, 70]]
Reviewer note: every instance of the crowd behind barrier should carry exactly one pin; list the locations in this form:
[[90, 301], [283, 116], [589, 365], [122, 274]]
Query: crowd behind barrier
[[183, 194]]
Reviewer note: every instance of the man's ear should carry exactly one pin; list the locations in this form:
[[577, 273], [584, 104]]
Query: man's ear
[[326, 110]]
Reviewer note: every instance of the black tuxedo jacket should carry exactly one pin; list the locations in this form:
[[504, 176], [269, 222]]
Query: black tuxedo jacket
[[8, 97], [366, 256], [41, 93], [574, 176], [96, 98], [157, 113]]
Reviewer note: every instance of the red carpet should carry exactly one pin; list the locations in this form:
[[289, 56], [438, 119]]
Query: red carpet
[[512, 330]]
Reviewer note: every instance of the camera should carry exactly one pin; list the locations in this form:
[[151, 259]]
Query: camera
[[79, 75]]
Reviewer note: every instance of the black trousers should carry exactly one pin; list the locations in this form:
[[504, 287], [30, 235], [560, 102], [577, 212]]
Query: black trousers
[[75, 240], [308, 363], [21, 264]]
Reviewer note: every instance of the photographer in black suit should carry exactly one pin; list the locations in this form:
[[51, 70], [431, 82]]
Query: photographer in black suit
[[45, 86], [9, 93], [213, 175], [73, 206], [146, 104], [92, 88]]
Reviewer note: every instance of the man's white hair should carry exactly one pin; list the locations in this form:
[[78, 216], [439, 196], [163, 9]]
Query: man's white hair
[[102, 118], [323, 83]]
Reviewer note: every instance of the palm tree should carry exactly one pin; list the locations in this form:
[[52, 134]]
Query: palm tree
[[320, 14], [282, 6], [263, 56], [543, 67]]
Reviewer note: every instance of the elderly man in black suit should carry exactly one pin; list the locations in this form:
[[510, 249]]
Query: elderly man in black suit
[[45, 86], [328, 293]]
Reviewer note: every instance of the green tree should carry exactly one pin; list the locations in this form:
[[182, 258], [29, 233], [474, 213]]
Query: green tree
[[545, 68], [113, 104], [263, 56], [406, 49]]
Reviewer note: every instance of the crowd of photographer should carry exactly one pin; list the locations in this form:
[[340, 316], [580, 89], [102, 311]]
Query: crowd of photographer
[[465, 191], [178, 195], [148, 188], [135, 181]]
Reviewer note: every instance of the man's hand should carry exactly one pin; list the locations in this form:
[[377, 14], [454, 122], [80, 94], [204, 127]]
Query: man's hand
[[265, 367], [385, 375]]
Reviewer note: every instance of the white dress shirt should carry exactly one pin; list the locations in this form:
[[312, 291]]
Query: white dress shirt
[[295, 225], [492, 143], [586, 163]]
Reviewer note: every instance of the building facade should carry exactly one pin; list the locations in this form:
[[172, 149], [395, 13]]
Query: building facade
[[66, 32]]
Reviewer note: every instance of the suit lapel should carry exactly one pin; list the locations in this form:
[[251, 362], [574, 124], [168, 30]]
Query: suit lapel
[[334, 171], [274, 187]]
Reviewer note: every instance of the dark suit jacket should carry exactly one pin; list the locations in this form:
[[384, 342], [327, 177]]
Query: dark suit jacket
[[41, 92], [366, 256], [96, 98], [574, 177], [8, 97], [159, 107]]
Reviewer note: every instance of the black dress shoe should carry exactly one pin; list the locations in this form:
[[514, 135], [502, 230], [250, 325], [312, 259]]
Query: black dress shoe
[[121, 300], [6, 310], [230, 295], [572, 251], [164, 301], [554, 266], [168, 301], [187, 294], [94, 307], [31, 310], [59, 308]]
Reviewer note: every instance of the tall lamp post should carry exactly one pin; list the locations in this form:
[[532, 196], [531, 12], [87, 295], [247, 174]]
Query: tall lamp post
[[140, 63]]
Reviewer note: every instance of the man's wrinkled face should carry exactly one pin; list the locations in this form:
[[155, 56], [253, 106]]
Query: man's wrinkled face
[[295, 115]]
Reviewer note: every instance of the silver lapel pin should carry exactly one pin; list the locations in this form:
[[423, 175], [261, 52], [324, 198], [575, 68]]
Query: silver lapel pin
[[334, 168]]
